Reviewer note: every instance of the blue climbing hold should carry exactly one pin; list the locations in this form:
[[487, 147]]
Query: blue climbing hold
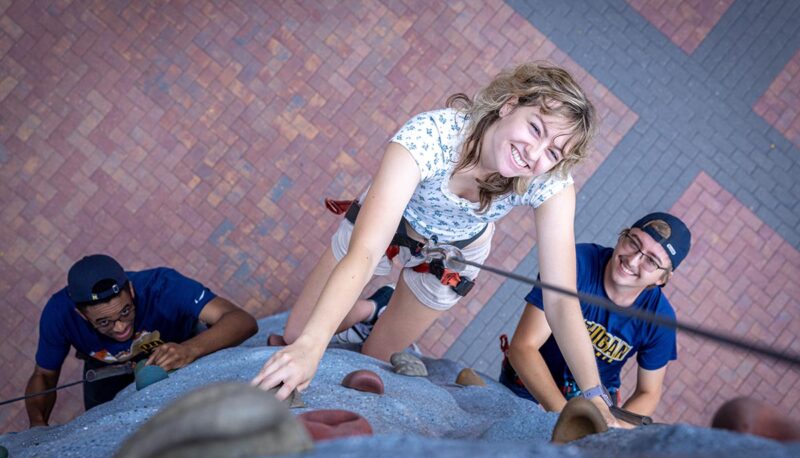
[[148, 375]]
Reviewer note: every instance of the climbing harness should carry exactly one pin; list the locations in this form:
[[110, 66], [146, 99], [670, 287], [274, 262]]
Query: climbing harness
[[433, 252]]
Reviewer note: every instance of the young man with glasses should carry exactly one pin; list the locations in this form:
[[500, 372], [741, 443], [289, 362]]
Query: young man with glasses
[[630, 275], [114, 317]]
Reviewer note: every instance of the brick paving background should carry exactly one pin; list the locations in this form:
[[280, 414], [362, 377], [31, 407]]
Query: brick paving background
[[204, 135], [780, 104], [685, 22]]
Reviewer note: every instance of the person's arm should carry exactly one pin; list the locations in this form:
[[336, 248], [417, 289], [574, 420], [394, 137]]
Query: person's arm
[[526, 359], [649, 384], [381, 212], [555, 235], [40, 407], [228, 324]]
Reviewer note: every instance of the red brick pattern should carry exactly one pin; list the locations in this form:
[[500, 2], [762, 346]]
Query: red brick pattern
[[780, 104], [204, 135], [740, 279], [685, 22]]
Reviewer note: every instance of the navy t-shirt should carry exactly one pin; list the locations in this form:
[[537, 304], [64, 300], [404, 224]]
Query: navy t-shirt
[[165, 301], [615, 337]]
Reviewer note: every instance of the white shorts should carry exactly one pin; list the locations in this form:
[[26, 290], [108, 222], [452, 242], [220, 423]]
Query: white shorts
[[425, 286]]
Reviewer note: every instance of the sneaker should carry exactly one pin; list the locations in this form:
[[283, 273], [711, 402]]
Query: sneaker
[[355, 334], [359, 332], [381, 299]]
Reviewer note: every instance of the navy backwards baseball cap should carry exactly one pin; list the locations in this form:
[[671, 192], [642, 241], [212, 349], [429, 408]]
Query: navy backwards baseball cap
[[678, 242], [95, 278]]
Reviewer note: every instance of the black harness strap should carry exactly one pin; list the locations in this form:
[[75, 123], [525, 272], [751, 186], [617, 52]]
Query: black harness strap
[[401, 237], [461, 286]]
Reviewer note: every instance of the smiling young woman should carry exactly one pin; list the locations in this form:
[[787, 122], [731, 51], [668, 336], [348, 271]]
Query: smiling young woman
[[448, 175]]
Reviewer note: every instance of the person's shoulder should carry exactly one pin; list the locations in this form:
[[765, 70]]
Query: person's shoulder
[[593, 251], [58, 303], [155, 272], [655, 300], [589, 248], [443, 119], [544, 187], [155, 277]]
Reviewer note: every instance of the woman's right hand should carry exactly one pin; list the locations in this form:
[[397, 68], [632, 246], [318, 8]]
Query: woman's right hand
[[294, 366]]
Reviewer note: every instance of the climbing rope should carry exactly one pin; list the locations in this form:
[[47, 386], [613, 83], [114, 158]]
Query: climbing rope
[[456, 262], [92, 375]]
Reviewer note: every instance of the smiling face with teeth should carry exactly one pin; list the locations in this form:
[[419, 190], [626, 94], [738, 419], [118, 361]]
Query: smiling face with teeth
[[523, 142], [625, 271]]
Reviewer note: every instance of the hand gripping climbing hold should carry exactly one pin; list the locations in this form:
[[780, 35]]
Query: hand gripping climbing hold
[[146, 375], [578, 419]]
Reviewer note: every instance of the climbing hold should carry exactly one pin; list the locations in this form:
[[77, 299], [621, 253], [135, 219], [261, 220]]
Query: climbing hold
[[364, 380], [275, 340], [220, 420], [147, 375], [578, 419], [332, 424], [749, 416], [468, 377], [294, 401], [408, 364]]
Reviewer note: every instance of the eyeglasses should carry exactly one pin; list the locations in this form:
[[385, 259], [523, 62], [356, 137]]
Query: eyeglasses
[[629, 243], [107, 324]]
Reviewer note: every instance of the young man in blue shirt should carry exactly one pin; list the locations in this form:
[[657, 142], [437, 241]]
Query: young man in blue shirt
[[630, 275], [111, 316]]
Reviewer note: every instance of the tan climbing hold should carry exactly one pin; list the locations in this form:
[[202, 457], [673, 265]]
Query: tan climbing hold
[[220, 420], [293, 401], [468, 377], [578, 419], [407, 364]]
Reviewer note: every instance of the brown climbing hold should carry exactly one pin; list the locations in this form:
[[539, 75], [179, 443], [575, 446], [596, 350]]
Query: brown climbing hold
[[364, 380], [331, 424], [275, 340], [749, 416], [408, 364], [468, 377], [578, 419]]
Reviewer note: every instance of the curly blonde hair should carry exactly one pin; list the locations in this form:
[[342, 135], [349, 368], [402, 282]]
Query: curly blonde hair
[[554, 91]]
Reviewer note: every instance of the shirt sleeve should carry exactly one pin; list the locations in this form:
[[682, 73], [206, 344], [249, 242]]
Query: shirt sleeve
[[535, 297], [661, 347], [186, 294], [422, 138], [582, 255], [53, 347], [545, 187]]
